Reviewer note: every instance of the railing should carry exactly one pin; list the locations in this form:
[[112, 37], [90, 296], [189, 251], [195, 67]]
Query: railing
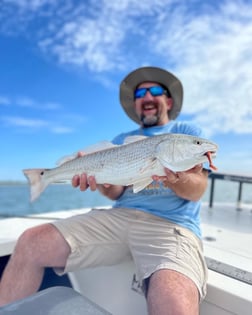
[[241, 179]]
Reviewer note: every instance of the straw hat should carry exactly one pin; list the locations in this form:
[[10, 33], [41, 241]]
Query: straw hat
[[150, 74]]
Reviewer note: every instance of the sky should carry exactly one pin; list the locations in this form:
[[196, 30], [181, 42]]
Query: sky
[[61, 63]]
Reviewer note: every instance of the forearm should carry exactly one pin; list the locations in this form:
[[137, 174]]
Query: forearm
[[110, 191]]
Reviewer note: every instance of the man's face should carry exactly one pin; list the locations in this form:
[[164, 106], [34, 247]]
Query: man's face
[[152, 110]]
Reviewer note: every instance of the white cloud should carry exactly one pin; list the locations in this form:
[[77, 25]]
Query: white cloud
[[28, 4], [212, 54], [30, 107], [26, 102], [23, 122], [206, 43], [30, 124], [61, 130], [5, 101], [31, 103], [89, 41]]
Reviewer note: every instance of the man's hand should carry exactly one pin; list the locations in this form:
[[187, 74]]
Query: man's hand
[[80, 180], [190, 184], [173, 177], [84, 182]]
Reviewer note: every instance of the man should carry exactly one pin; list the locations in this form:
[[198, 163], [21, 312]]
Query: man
[[158, 227]]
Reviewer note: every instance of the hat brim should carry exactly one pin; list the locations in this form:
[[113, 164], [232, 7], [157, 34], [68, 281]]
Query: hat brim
[[150, 74]]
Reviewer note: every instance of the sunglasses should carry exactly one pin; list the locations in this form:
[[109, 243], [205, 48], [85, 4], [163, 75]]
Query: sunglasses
[[154, 91]]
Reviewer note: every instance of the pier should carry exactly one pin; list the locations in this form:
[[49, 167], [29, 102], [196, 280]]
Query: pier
[[241, 179]]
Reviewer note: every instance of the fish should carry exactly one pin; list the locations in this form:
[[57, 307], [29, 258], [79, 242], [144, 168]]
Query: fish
[[132, 163]]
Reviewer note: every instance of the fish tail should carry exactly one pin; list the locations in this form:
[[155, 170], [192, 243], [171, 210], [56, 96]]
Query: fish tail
[[37, 182]]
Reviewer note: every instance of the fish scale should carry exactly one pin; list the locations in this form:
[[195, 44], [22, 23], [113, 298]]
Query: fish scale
[[132, 163]]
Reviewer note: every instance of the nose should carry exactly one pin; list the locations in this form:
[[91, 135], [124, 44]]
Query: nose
[[148, 96]]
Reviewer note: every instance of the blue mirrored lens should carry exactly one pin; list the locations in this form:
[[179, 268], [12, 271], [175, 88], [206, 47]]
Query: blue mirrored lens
[[154, 90], [140, 92]]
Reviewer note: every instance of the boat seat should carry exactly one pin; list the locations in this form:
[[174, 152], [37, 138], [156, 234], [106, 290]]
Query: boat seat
[[54, 301]]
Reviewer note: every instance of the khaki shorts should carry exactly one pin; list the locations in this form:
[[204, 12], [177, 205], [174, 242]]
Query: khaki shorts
[[107, 237]]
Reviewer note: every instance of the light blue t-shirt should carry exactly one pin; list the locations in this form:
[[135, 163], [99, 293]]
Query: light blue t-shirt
[[157, 199]]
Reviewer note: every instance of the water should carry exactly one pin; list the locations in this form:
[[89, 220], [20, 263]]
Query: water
[[14, 199]]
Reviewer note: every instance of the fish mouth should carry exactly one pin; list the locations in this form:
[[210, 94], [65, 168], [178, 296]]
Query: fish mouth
[[211, 153]]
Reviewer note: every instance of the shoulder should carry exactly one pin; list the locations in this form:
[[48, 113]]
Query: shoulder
[[186, 128], [119, 139]]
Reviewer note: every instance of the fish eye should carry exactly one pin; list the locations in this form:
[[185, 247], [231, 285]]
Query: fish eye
[[198, 142]]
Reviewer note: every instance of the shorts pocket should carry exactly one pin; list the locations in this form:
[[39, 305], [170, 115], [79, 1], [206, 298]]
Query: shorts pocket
[[186, 244]]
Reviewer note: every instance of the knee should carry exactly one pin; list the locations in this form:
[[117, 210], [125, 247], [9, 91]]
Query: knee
[[29, 240], [173, 291]]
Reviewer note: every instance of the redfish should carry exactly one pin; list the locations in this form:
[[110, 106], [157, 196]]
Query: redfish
[[132, 163]]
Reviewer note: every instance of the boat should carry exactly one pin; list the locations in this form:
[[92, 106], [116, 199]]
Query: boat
[[227, 238]]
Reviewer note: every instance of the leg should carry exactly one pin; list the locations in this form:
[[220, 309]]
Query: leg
[[174, 257], [170, 292], [37, 248]]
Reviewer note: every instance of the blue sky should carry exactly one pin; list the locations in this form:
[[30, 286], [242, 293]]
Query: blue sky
[[61, 64]]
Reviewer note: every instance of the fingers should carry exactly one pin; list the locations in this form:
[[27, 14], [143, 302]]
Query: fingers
[[80, 154], [83, 182], [76, 181], [196, 169], [91, 183], [183, 177], [173, 177], [170, 178]]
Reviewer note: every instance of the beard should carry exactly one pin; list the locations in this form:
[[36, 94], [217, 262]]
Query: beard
[[149, 121]]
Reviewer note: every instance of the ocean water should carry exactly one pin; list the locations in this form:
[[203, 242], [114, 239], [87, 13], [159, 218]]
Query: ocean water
[[14, 199]]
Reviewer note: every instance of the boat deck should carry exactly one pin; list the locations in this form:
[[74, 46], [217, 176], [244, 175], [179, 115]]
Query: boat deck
[[228, 230]]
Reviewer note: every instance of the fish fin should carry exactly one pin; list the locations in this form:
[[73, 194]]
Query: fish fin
[[103, 145], [148, 165], [37, 184], [131, 139], [66, 158], [141, 184]]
